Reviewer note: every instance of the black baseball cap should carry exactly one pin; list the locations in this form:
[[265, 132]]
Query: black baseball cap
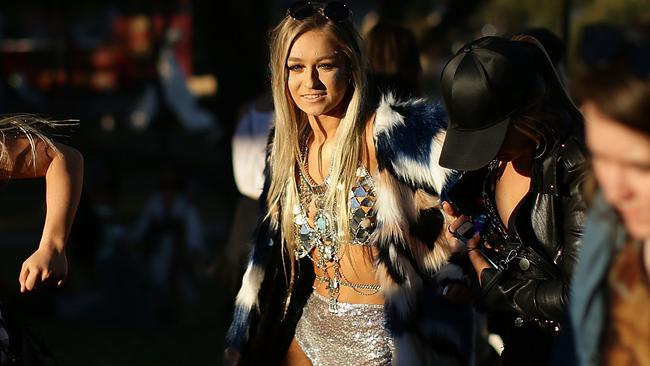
[[483, 85]]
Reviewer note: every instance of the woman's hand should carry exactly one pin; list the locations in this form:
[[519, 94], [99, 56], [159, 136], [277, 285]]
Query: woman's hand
[[476, 258], [45, 266], [456, 245]]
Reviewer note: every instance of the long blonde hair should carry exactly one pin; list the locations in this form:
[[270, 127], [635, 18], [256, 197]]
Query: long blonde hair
[[291, 124]]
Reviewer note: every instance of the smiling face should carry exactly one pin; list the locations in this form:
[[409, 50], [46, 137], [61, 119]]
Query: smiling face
[[318, 75], [621, 162]]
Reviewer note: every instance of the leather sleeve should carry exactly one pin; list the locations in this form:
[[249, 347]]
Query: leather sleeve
[[528, 297], [533, 293]]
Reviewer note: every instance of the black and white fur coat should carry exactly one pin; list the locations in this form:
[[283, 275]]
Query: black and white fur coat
[[411, 259]]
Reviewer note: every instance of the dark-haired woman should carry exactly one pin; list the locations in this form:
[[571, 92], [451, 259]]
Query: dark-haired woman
[[518, 137]]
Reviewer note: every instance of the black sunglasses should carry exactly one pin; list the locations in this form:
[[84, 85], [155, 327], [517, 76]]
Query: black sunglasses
[[604, 46], [334, 10]]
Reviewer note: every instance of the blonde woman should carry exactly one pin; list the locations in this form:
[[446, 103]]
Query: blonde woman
[[343, 269], [26, 153]]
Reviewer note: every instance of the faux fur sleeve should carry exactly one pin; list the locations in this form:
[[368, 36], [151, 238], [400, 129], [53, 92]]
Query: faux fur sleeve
[[265, 242], [408, 139]]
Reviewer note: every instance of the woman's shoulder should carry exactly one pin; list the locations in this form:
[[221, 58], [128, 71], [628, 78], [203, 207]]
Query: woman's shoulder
[[408, 127], [409, 116], [408, 136]]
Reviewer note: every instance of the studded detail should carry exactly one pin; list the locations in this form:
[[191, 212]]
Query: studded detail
[[524, 264], [519, 322]]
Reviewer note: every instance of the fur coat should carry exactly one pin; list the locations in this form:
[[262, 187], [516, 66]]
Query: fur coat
[[411, 255]]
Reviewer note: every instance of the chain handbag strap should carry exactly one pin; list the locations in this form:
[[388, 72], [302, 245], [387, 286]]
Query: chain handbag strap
[[512, 244]]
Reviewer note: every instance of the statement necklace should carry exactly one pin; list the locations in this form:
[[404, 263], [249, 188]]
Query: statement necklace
[[323, 235]]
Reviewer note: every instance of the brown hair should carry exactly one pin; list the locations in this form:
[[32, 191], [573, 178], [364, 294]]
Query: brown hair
[[606, 76], [612, 80], [394, 59], [547, 117]]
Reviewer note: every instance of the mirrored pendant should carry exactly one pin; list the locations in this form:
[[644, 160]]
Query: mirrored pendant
[[332, 284], [333, 305], [304, 229], [321, 223], [328, 253], [297, 210], [300, 219]]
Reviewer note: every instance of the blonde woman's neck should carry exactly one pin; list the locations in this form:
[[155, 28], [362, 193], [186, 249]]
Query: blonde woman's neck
[[324, 127]]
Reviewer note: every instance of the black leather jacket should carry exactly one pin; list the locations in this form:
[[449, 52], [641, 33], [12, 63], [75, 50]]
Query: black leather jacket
[[549, 223]]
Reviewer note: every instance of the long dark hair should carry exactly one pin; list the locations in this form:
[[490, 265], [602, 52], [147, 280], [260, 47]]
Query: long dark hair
[[556, 108]]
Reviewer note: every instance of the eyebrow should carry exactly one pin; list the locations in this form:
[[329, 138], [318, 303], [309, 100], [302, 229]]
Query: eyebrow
[[298, 59]]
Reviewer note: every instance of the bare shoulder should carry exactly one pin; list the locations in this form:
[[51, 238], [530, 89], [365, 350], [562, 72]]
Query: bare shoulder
[[31, 156]]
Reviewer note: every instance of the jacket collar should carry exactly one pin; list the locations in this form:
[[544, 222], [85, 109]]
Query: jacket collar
[[566, 150]]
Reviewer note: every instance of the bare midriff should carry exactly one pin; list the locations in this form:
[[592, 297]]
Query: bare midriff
[[357, 267]]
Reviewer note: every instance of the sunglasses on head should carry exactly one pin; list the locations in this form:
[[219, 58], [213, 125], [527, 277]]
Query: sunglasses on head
[[604, 46], [334, 10]]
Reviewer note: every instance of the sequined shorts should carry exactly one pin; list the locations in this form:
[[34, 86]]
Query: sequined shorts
[[356, 335]]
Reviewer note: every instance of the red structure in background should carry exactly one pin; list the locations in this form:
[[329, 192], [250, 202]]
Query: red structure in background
[[124, 60], [138, 34]]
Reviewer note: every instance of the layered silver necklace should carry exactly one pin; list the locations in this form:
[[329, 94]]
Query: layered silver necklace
[[323, 235]]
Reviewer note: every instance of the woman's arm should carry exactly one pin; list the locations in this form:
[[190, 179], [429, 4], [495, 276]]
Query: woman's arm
[[62, 167], [545, 299]]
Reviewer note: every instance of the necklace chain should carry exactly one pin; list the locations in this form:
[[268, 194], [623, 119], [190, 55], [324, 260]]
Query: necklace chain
[[324, 233], [304, 169]]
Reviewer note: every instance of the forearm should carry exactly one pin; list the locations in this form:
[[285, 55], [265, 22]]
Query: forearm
[[63, 178], [479, 263]]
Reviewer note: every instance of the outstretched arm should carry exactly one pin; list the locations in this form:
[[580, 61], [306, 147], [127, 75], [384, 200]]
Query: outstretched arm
[[62, 167]]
